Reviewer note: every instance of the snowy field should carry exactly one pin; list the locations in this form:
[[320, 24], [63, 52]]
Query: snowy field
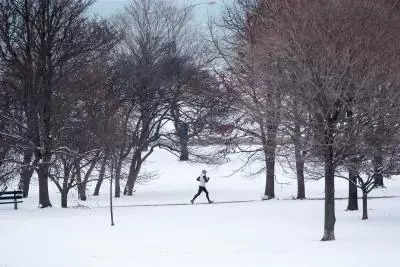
[[274, 233]]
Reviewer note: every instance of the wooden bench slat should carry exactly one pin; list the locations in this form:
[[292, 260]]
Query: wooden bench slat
[[8, 198], [11, 202], [11, 192]]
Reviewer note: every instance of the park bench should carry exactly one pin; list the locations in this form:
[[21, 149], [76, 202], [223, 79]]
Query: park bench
[[11, 197]]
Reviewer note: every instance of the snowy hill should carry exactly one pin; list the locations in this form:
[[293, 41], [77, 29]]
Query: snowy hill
[[175, 182]]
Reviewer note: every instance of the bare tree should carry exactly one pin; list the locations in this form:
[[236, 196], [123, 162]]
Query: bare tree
[[152, 30], [295, 142], [257, 99]]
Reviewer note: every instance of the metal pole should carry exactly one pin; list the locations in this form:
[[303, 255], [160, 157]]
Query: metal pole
[[15, 201], [111, 191]]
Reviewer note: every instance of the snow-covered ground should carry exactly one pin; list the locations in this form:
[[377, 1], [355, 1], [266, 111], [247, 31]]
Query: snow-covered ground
[[274, 233]]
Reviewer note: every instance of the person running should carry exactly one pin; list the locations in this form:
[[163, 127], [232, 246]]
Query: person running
[[202, 179]]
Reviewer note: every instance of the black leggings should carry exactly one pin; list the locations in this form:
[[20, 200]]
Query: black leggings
[[201, 189]]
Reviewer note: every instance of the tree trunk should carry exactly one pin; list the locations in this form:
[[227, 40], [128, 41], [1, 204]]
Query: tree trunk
[[378, 155], [299, 154], [64, 199], [353, 196], [183, 135], [131, 182], [26, 173], [101, 176], [81, 186], [269, 192], [365, 206], [330, 219], [45, 139], [30, 110], [298, 151], [43, 175], [87, 176], [118, 178], [378, 163], [301, 192], [64, 187], [184, 150], [134, 170], [269, 151]]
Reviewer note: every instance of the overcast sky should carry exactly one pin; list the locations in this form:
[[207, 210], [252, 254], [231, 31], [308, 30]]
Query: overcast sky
[[108, 8]]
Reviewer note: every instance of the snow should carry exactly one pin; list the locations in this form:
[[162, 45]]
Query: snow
[[282, 232]]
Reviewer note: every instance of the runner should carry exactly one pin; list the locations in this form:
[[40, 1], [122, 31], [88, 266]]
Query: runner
[[202, 179]]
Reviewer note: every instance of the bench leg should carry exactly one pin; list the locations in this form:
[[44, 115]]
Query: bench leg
[[15, 205]]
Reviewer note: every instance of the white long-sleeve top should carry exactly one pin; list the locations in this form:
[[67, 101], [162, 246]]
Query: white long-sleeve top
[[203, 180]]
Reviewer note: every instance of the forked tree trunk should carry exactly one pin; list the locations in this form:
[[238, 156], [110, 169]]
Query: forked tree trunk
[[353, 196], [329, 216], [64, 188], [134, 170], [86, 179]]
